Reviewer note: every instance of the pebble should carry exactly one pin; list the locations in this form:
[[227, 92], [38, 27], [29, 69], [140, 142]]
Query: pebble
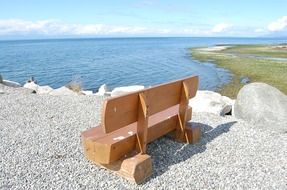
[[41, 149]]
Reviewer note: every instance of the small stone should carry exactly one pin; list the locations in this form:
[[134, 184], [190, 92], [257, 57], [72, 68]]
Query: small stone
[[244, 80]]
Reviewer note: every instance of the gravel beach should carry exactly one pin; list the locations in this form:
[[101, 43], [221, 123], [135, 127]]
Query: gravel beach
[[41, 149]]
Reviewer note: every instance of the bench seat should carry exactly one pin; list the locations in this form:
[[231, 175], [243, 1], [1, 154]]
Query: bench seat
[[107, 148]]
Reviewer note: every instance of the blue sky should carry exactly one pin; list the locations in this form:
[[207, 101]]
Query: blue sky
[[65, 18]]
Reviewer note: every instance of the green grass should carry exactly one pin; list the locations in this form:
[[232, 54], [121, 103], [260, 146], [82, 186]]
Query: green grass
[[260, 50], [257, 69]]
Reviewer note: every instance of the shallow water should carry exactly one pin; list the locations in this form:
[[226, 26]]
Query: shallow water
[[113, 61]]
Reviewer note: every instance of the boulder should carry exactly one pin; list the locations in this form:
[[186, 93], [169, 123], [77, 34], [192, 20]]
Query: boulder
[[125, 89], [62, 91], [263, 105], [12, 90], [11, 83], [86, 92], [103, 90], [211, 102], [31, 85], [44, 89]]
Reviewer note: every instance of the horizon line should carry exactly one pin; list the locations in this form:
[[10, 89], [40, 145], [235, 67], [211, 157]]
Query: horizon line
[[131, 37]]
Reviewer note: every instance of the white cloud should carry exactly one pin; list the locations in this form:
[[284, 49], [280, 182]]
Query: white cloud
[[55, 27], [20, 27], [278, 25], [222, 27]]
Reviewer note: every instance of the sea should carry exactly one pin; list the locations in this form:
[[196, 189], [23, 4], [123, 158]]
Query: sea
[[114, 61]]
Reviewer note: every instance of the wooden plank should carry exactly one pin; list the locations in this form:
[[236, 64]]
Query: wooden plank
[[95, 132], [107, 153], [115, 145], [192, 84], [164, 96], [182, 115], [169, 94], [162, 128], [120, 112], [142, 123]]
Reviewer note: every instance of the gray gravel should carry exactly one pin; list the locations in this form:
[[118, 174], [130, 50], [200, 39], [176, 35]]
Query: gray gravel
[[41, 149]]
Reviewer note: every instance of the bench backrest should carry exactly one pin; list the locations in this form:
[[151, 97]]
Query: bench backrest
[[123, 110]]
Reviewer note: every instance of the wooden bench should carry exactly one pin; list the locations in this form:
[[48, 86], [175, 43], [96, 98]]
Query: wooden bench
[[131, 121]]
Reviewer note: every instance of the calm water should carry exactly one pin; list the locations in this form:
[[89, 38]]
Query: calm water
[[115, 62]]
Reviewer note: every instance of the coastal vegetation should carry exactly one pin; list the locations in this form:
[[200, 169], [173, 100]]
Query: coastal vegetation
[[258, 63]]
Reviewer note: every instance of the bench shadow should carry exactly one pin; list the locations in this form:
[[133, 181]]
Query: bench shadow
[[166, 152]]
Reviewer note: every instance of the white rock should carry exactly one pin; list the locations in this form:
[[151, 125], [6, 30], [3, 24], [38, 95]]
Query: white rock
[[229, 101], [108, 93], [102, 90], [11, 83], [125, 89], [44, 89], [211, 102], [31, 85], [86, 92], [1, 88], [62, 91], [262, 105]]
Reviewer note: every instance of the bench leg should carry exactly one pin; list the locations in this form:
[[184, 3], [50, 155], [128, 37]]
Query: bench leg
[[132, 166], [192, 134], [135, 168], [185, 132]]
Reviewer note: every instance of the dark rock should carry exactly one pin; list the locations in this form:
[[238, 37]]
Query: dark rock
[[32, 79], [244, 80]]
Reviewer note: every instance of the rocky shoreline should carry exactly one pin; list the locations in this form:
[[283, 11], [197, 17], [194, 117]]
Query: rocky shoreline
[[41, 146], [205, 101], [252, 103]]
